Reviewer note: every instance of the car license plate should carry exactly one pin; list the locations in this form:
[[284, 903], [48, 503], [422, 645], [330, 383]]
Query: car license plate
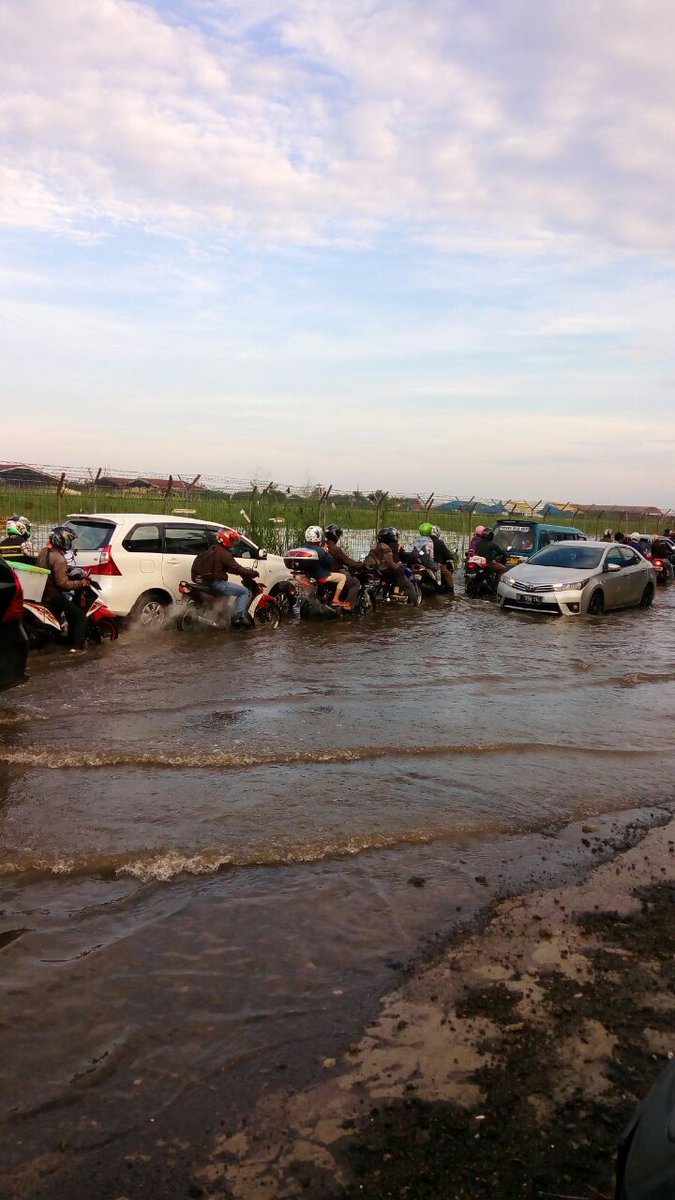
[[529, 600], [511, 562]]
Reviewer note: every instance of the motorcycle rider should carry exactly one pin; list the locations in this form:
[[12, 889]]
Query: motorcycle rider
[[321, 569], [16, 543], [444, 559], [53, 559], [477, 535], [340, 559], [487, 549], [385, 555], [213, 567]]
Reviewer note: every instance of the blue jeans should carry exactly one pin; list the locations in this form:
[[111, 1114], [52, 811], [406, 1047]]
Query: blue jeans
[[241, 594]]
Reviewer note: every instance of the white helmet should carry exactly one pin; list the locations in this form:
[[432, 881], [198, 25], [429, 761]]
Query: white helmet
[[314, 533], [435, 531]]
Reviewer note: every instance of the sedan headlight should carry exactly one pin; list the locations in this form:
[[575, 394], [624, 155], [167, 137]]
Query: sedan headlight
[[570, 587], [507, 579]]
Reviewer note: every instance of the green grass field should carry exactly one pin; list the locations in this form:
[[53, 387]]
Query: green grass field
[[271, 521]]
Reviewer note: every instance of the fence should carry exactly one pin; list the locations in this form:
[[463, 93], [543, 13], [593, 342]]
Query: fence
[[276, 514]]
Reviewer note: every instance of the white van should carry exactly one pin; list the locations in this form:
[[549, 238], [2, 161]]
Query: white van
[[139, 559]]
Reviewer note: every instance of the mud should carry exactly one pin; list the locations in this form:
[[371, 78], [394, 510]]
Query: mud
[[505, 1068]]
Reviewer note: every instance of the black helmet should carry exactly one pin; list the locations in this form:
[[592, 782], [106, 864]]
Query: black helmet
[[62, 537], [388, 535], [488, 533], [334, 532]]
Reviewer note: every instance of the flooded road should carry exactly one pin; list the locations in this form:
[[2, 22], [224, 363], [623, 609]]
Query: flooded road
[[209, 846]]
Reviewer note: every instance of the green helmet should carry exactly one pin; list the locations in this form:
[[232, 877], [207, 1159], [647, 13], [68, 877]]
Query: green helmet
[[426, 529], [19, 525]]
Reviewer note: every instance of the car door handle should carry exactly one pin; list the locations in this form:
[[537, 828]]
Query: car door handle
[[172, 559]]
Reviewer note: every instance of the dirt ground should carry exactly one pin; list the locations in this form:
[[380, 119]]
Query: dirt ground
[[505, 1067]]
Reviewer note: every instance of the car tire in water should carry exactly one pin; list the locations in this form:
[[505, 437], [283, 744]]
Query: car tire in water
[[150, 610], [647, 596], [596, 604]]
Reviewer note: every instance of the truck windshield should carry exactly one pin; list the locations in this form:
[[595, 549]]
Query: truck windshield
[[518, 539]]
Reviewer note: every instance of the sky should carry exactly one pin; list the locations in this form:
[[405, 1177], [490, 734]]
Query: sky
[[423, 246]]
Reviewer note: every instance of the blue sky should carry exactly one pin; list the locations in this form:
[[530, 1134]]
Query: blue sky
[[416, 246]]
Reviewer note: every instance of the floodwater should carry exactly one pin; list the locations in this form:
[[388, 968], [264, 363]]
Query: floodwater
[[209, 844]]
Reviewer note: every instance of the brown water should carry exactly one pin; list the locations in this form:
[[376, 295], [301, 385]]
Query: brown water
[[207, 843]]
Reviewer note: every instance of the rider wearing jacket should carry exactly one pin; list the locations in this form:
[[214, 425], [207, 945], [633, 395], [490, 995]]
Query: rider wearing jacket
[[487, 549], [341, 560], [16, 543], [444, 559], [385, 555], [213, 568], [59, 583]]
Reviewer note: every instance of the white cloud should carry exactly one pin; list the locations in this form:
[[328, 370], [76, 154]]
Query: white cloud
[[302, 120]]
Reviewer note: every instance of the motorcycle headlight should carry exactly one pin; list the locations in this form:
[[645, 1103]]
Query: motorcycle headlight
[[570, 587]]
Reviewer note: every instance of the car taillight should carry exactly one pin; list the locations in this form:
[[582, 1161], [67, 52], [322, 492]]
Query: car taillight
[[106, 564], [15, 610]]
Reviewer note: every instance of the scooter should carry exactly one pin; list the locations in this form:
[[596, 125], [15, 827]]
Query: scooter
[[479, 580], [205, 609], [43, 627]]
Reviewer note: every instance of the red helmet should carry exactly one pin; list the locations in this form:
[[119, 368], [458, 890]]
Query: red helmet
[[226, 537]]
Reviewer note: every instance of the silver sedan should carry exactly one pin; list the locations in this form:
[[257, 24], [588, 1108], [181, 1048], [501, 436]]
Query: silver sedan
[[569, 578]]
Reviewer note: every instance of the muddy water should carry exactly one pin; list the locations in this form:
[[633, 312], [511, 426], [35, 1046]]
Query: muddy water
[[207, 843]]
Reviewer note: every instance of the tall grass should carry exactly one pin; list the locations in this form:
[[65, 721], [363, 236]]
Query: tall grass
[[272, 522]]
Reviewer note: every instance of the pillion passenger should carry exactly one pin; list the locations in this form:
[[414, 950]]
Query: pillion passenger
[[341, 560]]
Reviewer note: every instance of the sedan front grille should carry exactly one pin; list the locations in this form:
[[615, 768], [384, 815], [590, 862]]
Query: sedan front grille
[[536, 588]]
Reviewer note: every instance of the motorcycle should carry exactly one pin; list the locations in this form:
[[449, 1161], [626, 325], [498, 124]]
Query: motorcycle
[[205, 609], [431, 583], [393, 594], [43, 627], [316, 596], [479, 580]]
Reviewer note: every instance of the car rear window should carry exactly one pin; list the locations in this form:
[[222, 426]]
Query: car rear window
[[568, 554], [91, 535]]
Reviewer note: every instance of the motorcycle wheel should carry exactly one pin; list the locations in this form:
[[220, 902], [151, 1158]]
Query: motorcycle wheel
[[187, 621], [270, 616], [365, 604], [418, 595], [284, 602], [104, 631]]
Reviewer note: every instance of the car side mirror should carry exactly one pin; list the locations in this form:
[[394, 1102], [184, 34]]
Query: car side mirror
[[612, 566], [262, 554]]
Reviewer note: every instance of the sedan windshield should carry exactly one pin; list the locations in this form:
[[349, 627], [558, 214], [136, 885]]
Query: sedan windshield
[[568, 554]]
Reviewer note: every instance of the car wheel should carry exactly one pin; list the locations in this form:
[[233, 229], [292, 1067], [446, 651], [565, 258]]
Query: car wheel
[[596, 604], [150, 610], [647, 596]]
